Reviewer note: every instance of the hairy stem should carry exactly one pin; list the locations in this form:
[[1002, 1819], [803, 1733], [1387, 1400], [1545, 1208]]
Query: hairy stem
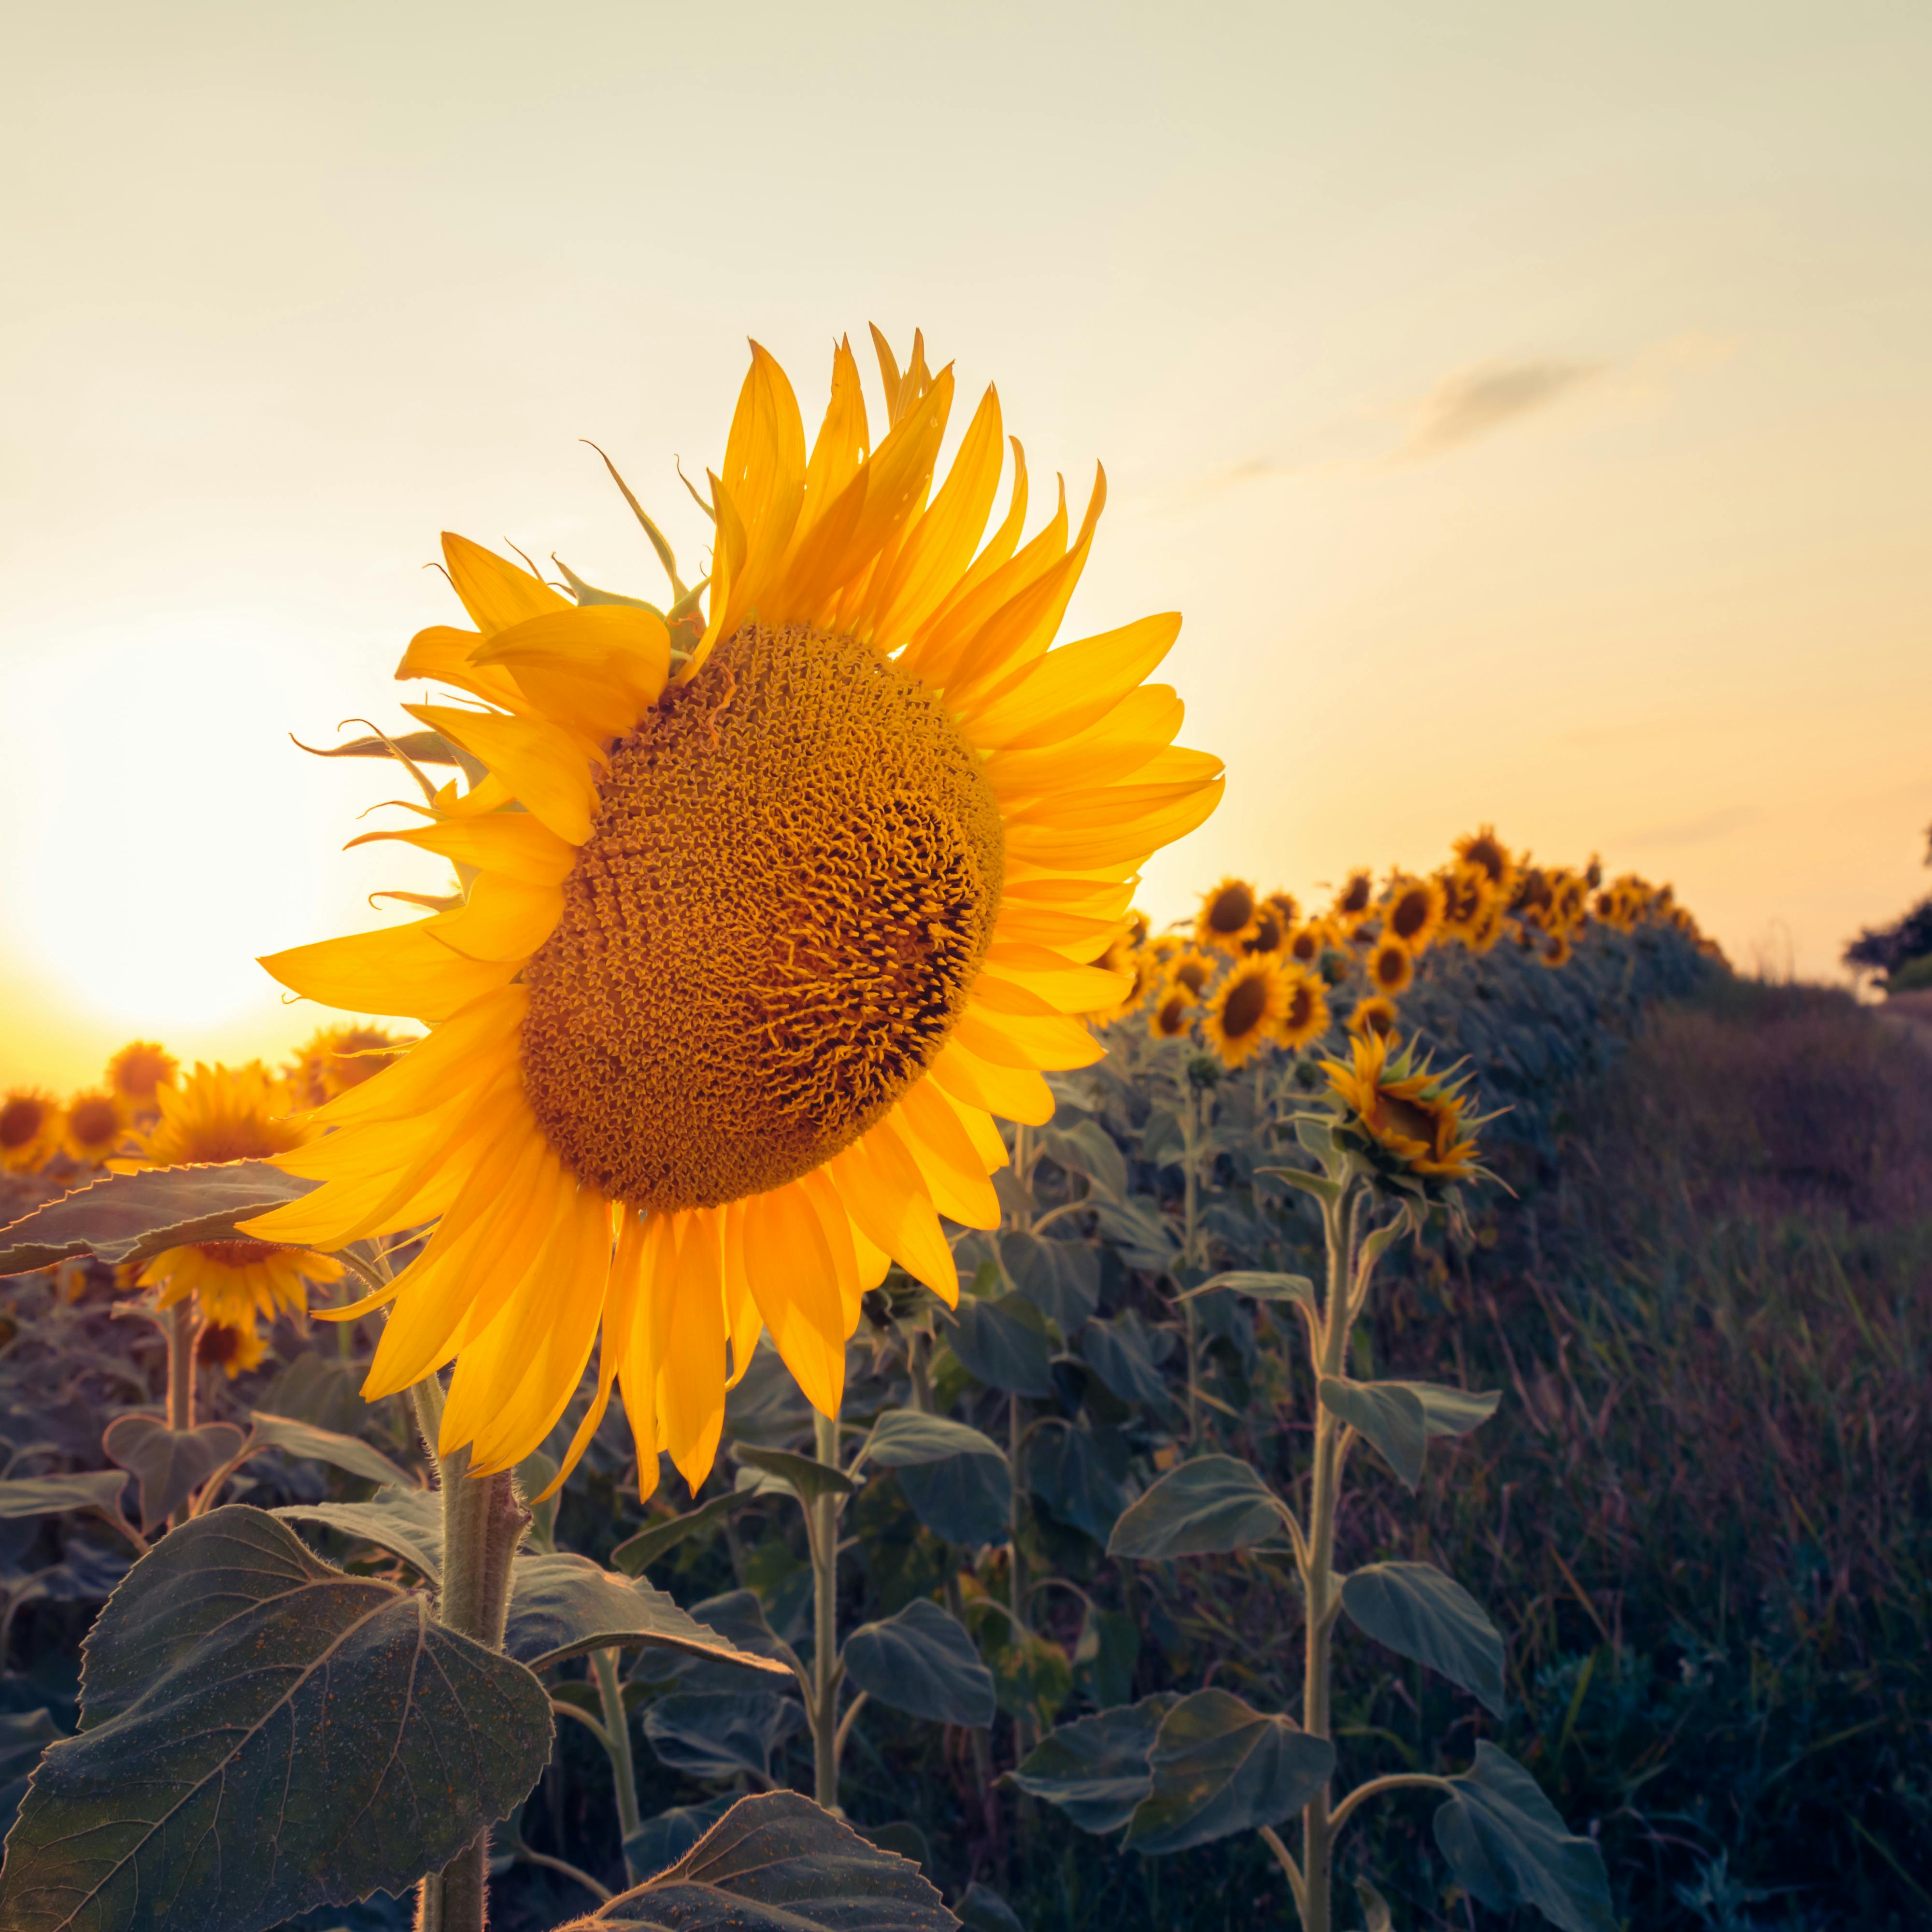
[[183, 1330], [617, 1742], [825, 1737]]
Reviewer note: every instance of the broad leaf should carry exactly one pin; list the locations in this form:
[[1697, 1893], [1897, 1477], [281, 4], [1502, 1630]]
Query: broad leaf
[[1065, 1472], [1220, 1766], [261, 1734], [778, 1863], [1388, 1415], [1261, 1286], [661, 1840], [1061, 1279], [24, 1735], [1002, 1344], [405, 1521], [739, 1618], [644, 1549], [807, 1478], [1326, 1191], [1096, 1770], [922, 1661], [904, 1439], [562, 1605], [1452, 1411], [719, 1735], [322, 1445], [1032, 1676], [1419, 1612], [100, 1490], [1120, 1352], [982, 1909], [133, 1217], [324, 1389], [169, 1464], [1507, 1845], [1086, 1148], [966, 1499], [1203, 1508], [1143, 1234]]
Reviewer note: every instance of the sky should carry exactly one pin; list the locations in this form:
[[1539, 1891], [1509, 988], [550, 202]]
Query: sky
[[1526, 406]]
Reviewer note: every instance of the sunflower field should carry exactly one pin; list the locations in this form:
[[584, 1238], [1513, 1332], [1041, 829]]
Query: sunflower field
[[808, 1369]]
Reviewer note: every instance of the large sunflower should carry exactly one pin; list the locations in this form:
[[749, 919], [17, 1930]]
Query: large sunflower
[[221, 1114], [783, 921]]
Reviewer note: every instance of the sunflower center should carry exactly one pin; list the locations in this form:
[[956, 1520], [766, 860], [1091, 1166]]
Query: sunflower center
[[93, 1120], [1233, 907], [1413, 1122], [1246, 1006], [20, 1121], [1409, 914], [236, 1254], [788, 890]]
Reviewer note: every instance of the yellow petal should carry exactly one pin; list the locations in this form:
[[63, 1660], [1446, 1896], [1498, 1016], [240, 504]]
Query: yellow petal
[[446, 656], [598, 667], [1014, 1092], [1053, 1043], [691, 1373], [792, 1273], [946, 1159], [502, 918], [1123, 843], [883, 1191], [542, 765], [400, 970], [1068, 690], [1134, 731], [513, 845], [494, 591]]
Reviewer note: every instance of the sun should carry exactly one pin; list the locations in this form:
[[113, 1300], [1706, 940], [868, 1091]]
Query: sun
[[779, 896]]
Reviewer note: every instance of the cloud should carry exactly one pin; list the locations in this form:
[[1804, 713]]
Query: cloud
[[1477, 402], [1715, 825]]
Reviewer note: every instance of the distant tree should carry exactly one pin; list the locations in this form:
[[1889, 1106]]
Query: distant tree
[[1886, 949]]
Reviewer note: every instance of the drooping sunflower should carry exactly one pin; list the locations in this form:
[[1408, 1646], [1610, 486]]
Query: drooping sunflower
[[1404, 1117], [1354, 901], [1172, 1013], [30, 1129], [1245, 1013], [233, 1350], [1412, 910], [1482, 848], [95, 1125], [1227, 916], [218, 1114], [1374, 1015], [337, 1058], [1193, 970], [139, 1071], [784, 921], [1391, 967], [1305, 1018]]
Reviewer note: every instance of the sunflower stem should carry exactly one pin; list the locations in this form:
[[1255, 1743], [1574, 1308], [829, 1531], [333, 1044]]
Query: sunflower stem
[[1190, 1209], [483, 1523], [617, 1742], [183, 1330], [825, 1737]]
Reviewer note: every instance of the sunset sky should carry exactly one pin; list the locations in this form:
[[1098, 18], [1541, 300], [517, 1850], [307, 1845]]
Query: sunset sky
[[1529, 409]]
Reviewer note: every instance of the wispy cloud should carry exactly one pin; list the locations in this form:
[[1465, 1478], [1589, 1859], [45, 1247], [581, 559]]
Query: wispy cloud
[[1478, 402]]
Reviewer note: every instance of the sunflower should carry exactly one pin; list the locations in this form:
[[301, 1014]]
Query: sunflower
[[95, 1123], [1270, 932], [1172, 1014], [779, 929], [1286, 909], [1306, 943], [1391, 967], [1305, 1018], [1138, 927], [1374, 1015], [1488, 927], [1558, 952], [337, 1058], [234, 1349], [1137, 961], [1405, 1117], [1193, 970], [1412, 911], [1467, 894], [1484, 848], [139, 1071], [1353, 902], [30, 1129], [1244, 1014], [218, 1114], [1227, 916]]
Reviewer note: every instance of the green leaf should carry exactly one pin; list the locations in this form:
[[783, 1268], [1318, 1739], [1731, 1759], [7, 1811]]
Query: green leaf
[[1086, 1148], [635, 1556], [1119, 1353], [133, 1217], [24, 1735], [1033, 1677], [1065, 1472], [1002, 1344], [1220, 1766], [406, 1521], [1205, 1507], [1507, 1845], [1389, 1415], [1061, 1279], [562, 1605], [982, 1909], [100, 1490], [322, 1445], [1137, 1227], [1452, 1411], [261, 1734], [324, 1389], [1325, 1191], [965, 1499], [658, 1841], [807, 1477], [922, 1661], [1096, 1769], [718, 1735], [904, 1439], [427, 748], [1263, 1287], [778, 1863], [1419, 1612], [169, 1464]]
